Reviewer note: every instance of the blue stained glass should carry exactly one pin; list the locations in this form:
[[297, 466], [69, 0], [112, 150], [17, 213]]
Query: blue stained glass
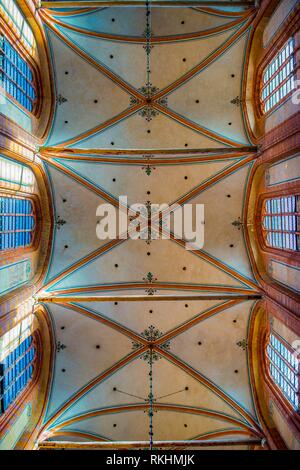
[[16, 223], [18, 80], [15, 372]]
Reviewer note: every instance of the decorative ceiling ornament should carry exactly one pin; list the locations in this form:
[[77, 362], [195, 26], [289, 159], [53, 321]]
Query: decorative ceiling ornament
[[242, 344], [150, 279], [148, 112], [59, 222], [148, 168], [151, 334], [60, 346], [238, 223], [61, 99], [237, 101]]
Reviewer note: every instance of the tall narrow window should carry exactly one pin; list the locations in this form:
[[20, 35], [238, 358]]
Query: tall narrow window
[[17, 223], [16, 370], [15, 176], [279, 77], [16, 21], [16, 75], [284, 368], [281, 222]]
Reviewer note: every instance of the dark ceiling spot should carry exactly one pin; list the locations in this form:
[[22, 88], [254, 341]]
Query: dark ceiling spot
[[185, 425], [236, 371], [186, 305], [148, 192], [228, 195], [95, 101], [116, 303], [185, 177], [231, 245], [112, 143], [116, 265], [230, 123], [197, 101], [199, 343], [66, 72], [186, 145], [66, 246], [97, 346], [62, 327], [148, 131], [184, 59], [186, 388], [66, 122], [111, 56], [148, 253], [233, 321], [184, 268], [114, 389], [115, 425], [114, 179], [63, 370], [150, 311], [113, 20], [182, 22], [232, 75]]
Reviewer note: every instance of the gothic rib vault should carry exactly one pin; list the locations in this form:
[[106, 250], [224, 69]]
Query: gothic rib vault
[[181, 140]]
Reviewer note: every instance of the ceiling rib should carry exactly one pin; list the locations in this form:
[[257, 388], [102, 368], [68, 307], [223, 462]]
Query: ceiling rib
[[146, 298], [57, 152], [157, 406], [208, 436], [45, 445], [141, 3], [209, 384], [194, 71], [103, 126], [80, 263], [108, 73], [76, 396], [113, 243], [105, 321], [143, 286], [192, 125], [140, 339], [153, 39], [218, 264], [194, 321]]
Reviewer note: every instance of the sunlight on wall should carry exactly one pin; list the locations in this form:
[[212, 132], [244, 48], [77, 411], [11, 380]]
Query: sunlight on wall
[[14, 275], [15, 176], [12, 338], [17, 22]]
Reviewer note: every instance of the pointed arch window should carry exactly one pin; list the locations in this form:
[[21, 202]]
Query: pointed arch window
[[281, 222], [284, 368], [16, 76], [16, 371], [17, 222], [18, 358], [279, 77]]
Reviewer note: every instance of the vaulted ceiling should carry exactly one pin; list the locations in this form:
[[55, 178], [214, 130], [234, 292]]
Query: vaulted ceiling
[[181, 140]]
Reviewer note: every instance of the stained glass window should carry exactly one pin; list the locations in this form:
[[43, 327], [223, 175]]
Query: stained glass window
[[281, 222], [16, 370], [279, 77], [17, 222], [16, 76], [284, 368]]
